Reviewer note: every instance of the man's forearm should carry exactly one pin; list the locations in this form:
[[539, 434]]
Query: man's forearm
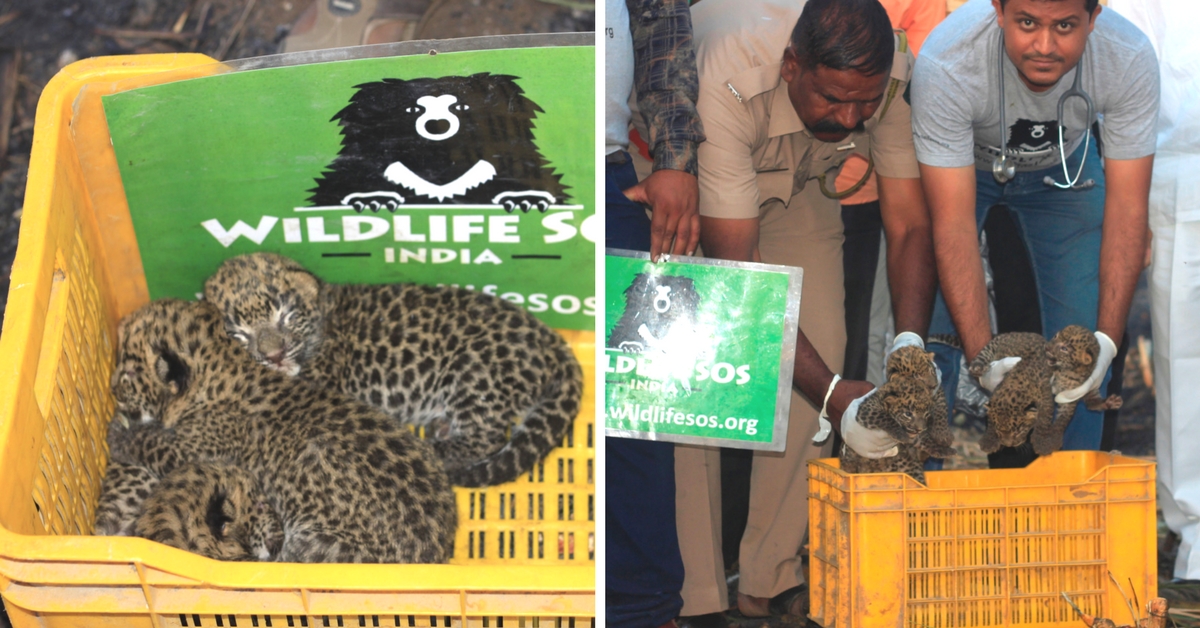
[[1123, 240], [951, 196], [912, 275]]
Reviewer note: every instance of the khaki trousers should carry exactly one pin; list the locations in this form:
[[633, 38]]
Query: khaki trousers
[[805, 233]]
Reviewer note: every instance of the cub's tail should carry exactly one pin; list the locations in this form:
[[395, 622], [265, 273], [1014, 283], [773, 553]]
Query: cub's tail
[[543, 428]]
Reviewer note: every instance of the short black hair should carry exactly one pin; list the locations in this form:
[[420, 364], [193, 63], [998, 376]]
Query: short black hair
[[845, 35], [1088, 5]]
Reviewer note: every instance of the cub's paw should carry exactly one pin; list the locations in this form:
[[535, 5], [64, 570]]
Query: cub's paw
[[373, 201], [120, 433], [1113, 402], [524, 201]]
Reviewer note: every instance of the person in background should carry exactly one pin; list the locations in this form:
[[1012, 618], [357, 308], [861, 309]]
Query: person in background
[[648, 52], [868, 304], [1174, 283]]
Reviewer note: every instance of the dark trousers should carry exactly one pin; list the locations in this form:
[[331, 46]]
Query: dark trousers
[[643, 570]]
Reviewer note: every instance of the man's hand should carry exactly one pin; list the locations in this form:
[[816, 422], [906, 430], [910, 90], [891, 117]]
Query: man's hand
[[673, 197]]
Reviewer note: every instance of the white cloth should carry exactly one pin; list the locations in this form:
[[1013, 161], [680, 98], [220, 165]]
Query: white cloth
[[1175, 267], [618, 75]]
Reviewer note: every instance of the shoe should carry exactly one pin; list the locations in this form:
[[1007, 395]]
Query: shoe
[[708, 620], [790, 603], [339, 23]]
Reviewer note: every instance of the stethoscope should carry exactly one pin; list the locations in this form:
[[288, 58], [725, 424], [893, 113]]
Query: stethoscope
[[1004, 170]]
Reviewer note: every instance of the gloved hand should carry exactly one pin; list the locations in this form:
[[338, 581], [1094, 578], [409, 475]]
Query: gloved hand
[[865, 441], [907, 339], [996, 371], [1108, 349]]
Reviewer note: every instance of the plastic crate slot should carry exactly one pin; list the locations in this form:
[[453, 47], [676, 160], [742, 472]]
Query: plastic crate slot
[[591, 546], [472, 507], [220, 622], [571, 471], [589, 472], [471, 544], [531, 506], [541, 545], [561, 510], [52, 335], [571, 438], [512, 544], [541, 471], [502, 511], [591, 507], [253, 620], [589, 436], [560, 546], [512, 505], [482, 506], [561, 474], [481, 544], [541, 507]]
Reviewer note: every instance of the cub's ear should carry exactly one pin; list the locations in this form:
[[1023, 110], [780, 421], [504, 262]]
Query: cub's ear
[[171, 370], [931, 355], [306, 284]]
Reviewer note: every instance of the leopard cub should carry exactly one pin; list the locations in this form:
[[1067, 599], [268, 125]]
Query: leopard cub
[[347, 483], [1071, 355], [1024, 398], [911, 408], [495, 387], [214, 510]]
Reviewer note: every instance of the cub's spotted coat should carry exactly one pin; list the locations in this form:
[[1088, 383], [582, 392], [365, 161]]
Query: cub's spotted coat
[[911, 408], [124, 489], [463, 363], [1024, 398], [348, 484], [213, 510]]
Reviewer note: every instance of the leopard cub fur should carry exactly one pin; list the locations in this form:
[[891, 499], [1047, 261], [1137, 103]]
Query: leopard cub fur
[[347, 483], [1071, 355], [911, 408], [214, 510], [123, 491], [1024, 398], [464, 364]]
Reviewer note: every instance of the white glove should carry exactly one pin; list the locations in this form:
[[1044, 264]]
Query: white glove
[[1108, 350], [907, 339], [866, 442], [992, 377]]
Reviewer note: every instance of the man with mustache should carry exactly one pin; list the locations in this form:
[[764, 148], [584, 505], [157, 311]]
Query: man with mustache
[[784, 102], [1084, 222]]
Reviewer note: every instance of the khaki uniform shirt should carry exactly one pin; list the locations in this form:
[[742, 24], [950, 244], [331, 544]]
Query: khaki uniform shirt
[[757, 147]]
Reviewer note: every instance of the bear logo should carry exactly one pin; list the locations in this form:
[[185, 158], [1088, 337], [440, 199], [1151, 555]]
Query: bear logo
[[457, 140], [1027, 136], [660, 322]]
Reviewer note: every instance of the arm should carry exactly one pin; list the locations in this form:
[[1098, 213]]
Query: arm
[[951, 196], [666, 84], [911, 271], [1123, 239]]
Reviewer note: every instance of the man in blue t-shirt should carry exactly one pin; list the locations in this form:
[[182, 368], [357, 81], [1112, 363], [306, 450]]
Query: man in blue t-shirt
[[997, 120]]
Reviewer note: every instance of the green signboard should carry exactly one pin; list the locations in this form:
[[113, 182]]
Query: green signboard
[[442, 163], [699, 351]]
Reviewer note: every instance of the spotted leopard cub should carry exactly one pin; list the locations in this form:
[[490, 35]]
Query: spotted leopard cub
[[911, 408], [347, 483], [464, 364], [123, 491], [215, 510], [1024, 398], [1071, 355]]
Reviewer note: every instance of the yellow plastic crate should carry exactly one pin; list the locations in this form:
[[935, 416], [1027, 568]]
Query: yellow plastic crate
[[992, 547], [524, 552]]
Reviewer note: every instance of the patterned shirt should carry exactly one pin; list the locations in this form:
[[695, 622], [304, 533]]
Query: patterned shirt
[[666, 81]]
